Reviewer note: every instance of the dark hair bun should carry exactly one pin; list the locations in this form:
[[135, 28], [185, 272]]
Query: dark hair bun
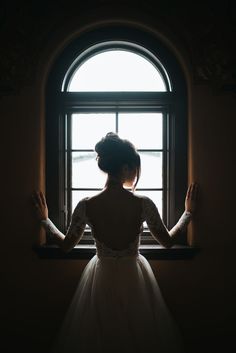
[[113, 152], [107, 142]]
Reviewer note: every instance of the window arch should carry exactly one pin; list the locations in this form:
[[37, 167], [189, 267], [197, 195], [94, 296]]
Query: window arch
[[116, 67], [151, 112]]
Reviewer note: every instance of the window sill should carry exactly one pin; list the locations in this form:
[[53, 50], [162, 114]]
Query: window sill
[[151, 252]]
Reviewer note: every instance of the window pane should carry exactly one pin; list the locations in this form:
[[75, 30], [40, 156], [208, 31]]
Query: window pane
[[117, 70], [151, 170], [88, 129], [85, 171], [144, 130], [155, 196]]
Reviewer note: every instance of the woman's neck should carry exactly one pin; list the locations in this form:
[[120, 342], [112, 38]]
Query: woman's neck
[[114, 183]]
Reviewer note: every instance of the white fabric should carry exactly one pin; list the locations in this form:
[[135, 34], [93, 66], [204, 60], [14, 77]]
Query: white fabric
[[118, 306]]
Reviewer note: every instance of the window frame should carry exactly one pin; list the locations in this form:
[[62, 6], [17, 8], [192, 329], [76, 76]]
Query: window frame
[[120, 45], [173, 101], [120, 105]]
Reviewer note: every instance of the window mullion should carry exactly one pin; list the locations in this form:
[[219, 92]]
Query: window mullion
[[117, 122], [165, 168], [69, 169]]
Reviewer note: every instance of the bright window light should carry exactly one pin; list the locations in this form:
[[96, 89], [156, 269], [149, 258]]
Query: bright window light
[[88, 128], [117, 70]]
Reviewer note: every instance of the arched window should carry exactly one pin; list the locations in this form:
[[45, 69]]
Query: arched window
[[116, 70], [131, 86]]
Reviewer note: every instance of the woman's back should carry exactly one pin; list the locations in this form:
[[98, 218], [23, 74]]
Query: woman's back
[[118, 305], [115, 216]]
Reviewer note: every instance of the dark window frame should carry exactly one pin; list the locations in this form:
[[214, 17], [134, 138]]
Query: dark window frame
[[118, 103], [58, 103]]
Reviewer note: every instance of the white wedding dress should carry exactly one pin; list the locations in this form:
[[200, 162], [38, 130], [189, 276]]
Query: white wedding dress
[[118, 306]]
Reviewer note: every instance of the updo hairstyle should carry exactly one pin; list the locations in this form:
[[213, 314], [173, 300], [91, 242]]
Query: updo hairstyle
[[114, 152]]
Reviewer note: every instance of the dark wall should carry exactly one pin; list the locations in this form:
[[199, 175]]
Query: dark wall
[[200, 292]]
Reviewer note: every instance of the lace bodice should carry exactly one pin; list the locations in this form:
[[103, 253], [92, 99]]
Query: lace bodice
[[104, 251], [149, 214]]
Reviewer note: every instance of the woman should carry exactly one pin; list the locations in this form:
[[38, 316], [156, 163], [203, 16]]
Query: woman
[[118, 306]]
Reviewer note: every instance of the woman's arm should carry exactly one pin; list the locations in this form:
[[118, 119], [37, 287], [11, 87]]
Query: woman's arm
[[158, 229], [76, 228]]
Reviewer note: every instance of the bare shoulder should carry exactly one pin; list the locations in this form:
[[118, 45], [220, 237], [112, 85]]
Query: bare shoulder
[[135, 198], [110, 196], [93, 199]]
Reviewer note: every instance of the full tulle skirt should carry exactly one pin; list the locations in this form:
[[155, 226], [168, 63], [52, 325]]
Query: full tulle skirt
[[118, 307]]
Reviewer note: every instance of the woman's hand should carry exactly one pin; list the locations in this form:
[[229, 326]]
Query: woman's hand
[[191, 197], [40, 205]]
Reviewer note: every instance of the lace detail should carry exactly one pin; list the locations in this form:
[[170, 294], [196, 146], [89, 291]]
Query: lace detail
[[150, 214], [49, 227], [156, 226], [78, 221], [76, 227], [182, 223], [104, 251]]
